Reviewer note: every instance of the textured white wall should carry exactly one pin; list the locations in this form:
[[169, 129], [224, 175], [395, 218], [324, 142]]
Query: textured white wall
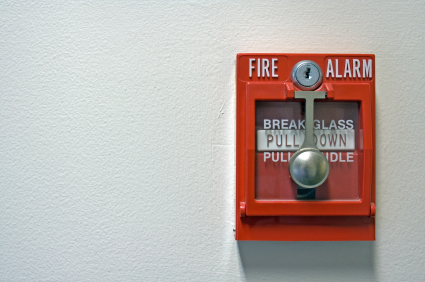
[[117, 133]]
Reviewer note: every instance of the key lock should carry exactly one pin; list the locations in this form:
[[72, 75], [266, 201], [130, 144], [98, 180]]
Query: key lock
[[308, 167]]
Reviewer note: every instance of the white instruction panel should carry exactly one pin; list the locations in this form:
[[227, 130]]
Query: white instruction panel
[[292, 139]]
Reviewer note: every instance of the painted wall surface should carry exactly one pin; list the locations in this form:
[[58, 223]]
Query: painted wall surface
[[117, 133]]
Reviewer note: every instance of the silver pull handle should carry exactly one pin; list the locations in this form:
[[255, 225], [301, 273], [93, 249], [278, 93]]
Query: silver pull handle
[[308, 167]]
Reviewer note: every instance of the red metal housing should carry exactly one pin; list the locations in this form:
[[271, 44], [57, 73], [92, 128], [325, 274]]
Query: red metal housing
[[305, 220]]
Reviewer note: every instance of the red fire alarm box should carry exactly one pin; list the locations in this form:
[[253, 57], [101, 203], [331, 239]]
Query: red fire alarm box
[[305, 147]]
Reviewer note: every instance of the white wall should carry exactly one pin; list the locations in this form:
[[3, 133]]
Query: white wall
[[117, 131]]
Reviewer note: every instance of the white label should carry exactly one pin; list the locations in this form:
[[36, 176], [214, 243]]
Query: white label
[[356, 63], [291, 140], [264, 67]]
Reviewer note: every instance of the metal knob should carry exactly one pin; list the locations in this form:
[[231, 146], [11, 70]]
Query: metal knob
[[308, 167]]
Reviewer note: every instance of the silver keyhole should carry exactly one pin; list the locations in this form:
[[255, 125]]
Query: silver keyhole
[[307, 75]]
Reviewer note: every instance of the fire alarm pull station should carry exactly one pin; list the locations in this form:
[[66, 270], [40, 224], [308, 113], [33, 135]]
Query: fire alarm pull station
[[305, 149]]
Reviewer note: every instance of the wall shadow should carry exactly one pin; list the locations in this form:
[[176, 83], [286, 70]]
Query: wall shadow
[[304, 261]]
